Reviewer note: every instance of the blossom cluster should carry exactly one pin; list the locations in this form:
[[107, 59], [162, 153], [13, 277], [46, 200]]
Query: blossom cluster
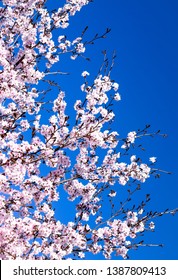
[[35, 156]]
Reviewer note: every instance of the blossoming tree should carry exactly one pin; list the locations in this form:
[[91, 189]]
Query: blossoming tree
[[41, 159]]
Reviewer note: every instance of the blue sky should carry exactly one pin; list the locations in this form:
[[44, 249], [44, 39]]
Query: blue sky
[[144, 35]]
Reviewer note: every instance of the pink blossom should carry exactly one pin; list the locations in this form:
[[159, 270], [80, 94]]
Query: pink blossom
[[85, 73], [47, 156], [152, 159]]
